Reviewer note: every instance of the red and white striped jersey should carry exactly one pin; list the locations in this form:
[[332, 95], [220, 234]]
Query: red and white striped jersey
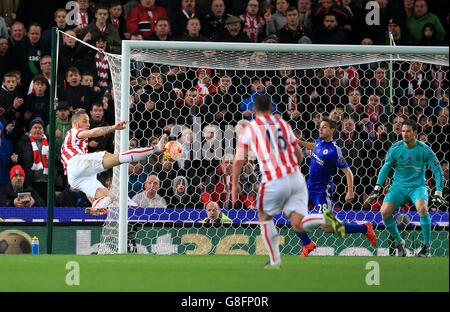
[[253, 27], [73, 145], [271, 139]]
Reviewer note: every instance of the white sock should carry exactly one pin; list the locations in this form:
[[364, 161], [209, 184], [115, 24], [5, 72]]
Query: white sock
[[135, 155], [312, 221], [270, 237], [102, 202]]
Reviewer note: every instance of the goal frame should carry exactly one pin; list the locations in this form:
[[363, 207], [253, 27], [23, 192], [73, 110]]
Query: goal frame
[[129, 45]]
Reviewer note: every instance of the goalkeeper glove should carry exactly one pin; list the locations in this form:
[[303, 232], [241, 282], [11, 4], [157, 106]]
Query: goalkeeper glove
[[438, 199], [376, 192]]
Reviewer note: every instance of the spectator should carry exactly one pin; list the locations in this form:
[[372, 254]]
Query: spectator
[[149, 198], [62, 123], [215, 21], [274, 22], [420, 18], [379, 85], [204, 83], [162, 30], [116, 18], [330, 32], [8, 10], [190, 109], [217, 186], [214, 214], [400, 33], [326, 88], [429, 37], [136, 178], [84, 15], [31, 152], [60, 22], [17, 39], [253, 23], [72, 53], [45, 70], [355, 28], [192, 31], [100, 27], [325, 7], [14, 193], [373, 116], [440, 132], [3, 28], [397, 127], [11, 104], [183, 195], [5, 155], [181, 16], [97, 63], [166, 170], [233, 31], [292, 31], [28, 58], [221, 107], [413, 80], [76, 95], [304, 13], [5, 56], [290, 104], [246, 107], [70, 197], [103, 143], [354, 108], [143, 17], [38, 102]]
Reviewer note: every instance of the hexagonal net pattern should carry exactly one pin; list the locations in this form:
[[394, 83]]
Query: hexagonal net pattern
[[204, 99]]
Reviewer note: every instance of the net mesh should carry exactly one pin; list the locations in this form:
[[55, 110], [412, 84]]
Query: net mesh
[[203, 99]]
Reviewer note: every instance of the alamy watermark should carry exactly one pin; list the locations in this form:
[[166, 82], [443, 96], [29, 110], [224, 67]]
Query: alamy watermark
[[373, 16], [73, 276], [373, 276]]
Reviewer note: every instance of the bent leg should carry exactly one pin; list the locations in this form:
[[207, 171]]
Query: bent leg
[[387, 212], [425, 220]]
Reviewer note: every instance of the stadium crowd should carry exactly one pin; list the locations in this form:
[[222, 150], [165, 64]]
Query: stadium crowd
[[163, 96]]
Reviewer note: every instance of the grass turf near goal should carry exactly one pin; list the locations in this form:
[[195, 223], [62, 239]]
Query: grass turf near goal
[[221, 273]]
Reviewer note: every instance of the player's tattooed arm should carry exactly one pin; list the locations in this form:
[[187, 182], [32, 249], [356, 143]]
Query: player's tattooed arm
[[101, 131]]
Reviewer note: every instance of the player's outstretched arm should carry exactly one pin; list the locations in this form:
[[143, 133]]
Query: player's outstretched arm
[[101, 131], [307, 145]]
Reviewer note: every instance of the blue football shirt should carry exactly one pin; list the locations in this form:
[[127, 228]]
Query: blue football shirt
[[325, 159]]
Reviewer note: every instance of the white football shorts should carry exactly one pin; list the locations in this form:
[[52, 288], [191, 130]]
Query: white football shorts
[[288, 193], [82, 172]]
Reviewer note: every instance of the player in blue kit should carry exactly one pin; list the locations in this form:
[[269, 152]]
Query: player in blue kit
[[326, 158], [409, 159]]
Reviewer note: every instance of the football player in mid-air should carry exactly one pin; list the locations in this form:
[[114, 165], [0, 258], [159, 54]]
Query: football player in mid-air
[[82, 167], [326, 157], [409, 159]]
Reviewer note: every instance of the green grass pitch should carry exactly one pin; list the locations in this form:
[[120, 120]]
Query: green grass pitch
[[220, 273]]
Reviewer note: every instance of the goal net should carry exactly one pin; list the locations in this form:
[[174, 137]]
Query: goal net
[[202, 95]]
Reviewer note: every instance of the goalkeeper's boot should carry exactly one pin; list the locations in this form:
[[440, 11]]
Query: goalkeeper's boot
[[269, 266], [307, 249], [401, 251], [337, 226], [159, 148], [424, 252], [370, 234]]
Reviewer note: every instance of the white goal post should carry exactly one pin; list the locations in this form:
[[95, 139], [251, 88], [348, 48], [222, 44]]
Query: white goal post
[[309, 56]]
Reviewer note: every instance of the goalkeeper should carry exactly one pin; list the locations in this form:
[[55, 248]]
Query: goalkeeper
[[409, 159]]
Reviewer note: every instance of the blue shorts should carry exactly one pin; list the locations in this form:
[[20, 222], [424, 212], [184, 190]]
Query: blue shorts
[[400, 196], [321, 200]]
